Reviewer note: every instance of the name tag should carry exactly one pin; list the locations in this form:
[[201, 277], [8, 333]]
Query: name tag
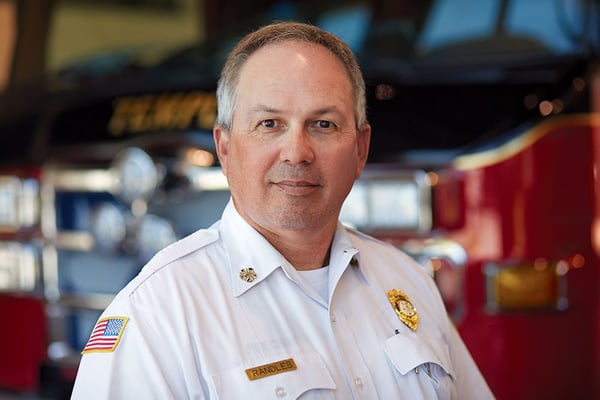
[[278, 367]]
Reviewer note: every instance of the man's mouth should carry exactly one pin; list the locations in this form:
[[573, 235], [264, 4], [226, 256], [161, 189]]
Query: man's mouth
[[297, 187]]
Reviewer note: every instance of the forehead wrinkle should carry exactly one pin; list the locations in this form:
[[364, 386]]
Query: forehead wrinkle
[[325, 110], [272, 110]]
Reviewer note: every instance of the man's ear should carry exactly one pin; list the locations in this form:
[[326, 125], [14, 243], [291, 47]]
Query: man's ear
[[221, 138], [363, 141]]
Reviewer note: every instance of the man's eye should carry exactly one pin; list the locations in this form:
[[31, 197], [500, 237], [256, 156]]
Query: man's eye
[[268, 123], [322, 124]]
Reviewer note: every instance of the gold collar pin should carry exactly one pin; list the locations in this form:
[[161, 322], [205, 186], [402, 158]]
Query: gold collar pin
[[247, 275]]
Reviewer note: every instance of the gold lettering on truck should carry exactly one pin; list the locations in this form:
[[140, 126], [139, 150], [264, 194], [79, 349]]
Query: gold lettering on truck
[[278, 367], [163, 111]]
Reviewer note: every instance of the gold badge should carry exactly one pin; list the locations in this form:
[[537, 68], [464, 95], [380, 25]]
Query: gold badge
[[247, 274], [404, 308]]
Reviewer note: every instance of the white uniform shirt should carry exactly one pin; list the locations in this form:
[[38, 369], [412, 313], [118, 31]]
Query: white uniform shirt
[[196, 330]]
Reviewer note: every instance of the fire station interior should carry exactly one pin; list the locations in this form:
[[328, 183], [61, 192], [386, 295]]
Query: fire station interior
[[483, 166], [39, 38]]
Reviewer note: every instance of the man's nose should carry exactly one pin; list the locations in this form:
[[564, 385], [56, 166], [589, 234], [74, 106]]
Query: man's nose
[[297, 146]]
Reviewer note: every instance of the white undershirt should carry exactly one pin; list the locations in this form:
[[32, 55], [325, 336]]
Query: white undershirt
[[318, 279]]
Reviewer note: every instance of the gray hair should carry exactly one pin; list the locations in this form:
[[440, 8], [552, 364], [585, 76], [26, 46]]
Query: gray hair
[[277, 33]]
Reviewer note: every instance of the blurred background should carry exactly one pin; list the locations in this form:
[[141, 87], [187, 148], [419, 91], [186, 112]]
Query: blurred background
[[483, 166], [38, 37]]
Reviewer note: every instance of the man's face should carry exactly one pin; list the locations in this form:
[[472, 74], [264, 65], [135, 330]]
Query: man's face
[[294, 150]]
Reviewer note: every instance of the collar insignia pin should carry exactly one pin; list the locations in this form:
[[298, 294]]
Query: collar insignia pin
[[404, 308], [247, 274]]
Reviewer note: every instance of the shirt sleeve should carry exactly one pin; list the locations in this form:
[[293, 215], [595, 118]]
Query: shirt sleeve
[[470, 383], [142, 364]]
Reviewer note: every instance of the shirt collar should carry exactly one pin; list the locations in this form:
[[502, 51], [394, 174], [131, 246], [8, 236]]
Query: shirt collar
[[344, 255], [250, 252]]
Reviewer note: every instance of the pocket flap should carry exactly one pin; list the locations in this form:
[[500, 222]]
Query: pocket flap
[[311, 373], [409, 351]]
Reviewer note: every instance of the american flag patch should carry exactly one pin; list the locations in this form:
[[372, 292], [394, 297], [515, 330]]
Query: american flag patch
[[106, 335]]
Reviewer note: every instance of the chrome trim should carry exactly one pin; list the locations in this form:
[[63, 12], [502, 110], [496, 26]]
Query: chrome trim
[[82, 180], [426, 251], [75, 240], [438, 248], [50, 273], [20, 265], [19, 207], [367, 209], [88, 301], [205, 178]]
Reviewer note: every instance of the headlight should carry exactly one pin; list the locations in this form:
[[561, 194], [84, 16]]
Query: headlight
[[389, 201], [18, 203], [109, 227], [153, 234], [137, 175]]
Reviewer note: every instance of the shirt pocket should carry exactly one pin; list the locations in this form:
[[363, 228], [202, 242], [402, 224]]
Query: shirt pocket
[[428, 359], [310, 374]]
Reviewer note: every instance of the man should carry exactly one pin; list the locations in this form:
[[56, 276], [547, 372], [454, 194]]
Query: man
[[278, 299]]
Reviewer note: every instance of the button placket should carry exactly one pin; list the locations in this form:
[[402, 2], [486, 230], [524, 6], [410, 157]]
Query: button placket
[[358, 382], [280, 392], [357, 373]]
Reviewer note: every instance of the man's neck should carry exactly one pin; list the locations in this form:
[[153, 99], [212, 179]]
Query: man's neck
[[305, 251]]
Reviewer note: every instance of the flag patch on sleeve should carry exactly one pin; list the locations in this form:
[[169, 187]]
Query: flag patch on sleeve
[[106, 335]]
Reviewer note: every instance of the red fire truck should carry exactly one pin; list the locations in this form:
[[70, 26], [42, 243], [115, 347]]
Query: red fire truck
[[483, 166]]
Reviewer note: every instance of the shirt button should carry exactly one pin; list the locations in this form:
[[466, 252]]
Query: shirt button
[[332, 318], [358, 383], [280, 391]]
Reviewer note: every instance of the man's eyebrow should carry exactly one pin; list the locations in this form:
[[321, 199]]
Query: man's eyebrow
[[264, 108]]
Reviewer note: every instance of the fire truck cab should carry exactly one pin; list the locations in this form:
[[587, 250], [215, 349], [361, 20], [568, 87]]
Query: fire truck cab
[[483, 166]]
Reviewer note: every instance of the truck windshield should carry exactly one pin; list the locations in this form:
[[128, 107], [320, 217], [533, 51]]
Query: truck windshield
[[426, 32], [553, 26], [444, 76]]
